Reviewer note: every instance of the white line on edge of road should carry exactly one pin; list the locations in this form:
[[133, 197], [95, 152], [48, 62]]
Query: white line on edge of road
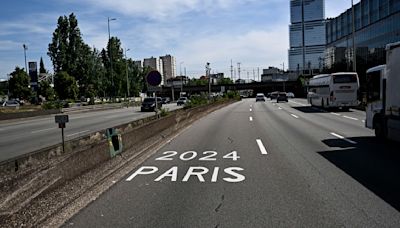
[[77, 133], [294, 116], [341, 137], [251, 118], [261, 146], [47, 129], [348, 117], [251, 110], [334, 113]]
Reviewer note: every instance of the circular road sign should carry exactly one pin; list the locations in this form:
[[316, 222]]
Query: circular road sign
[[153, 78]]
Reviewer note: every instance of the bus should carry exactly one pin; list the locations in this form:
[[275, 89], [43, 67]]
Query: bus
[[336, 90]]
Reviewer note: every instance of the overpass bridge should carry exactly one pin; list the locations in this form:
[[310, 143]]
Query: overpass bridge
[[256, 87]]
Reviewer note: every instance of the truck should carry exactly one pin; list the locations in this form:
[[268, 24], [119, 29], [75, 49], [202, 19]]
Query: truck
[[383, 96]]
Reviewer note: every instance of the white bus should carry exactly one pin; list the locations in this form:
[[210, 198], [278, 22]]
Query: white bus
[[337, 90]]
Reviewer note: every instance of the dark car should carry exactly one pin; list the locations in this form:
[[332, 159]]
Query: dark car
[[282, 97], [166, 100], [273, 95], [182, 101], [149, 104]]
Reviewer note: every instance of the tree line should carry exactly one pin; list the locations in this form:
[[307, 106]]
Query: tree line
[[80, 70]]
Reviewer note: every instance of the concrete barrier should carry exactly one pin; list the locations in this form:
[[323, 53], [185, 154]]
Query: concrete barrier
[[18, 115], [25, 178]]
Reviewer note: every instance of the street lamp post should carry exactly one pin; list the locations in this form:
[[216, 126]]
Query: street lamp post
[[110, 54], [180, 72], [126, 67], [25, 48], [354, 44], [209, 79]]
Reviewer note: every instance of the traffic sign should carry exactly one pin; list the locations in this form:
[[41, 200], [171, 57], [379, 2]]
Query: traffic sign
[[153, 78], [61, 119]]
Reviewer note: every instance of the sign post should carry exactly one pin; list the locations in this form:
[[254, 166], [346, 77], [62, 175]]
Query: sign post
[[154, 78], [62, 120]]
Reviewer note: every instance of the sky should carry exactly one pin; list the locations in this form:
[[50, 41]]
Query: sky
[[252, 32]]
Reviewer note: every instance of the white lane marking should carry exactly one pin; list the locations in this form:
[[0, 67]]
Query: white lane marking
[[294, 102], [251, 118], [363, 121], [77, 133], [251, 110], [47, 129], [342, 137], [294, 116], [261, 146], [279, 108], [348, 117], [334, 113]]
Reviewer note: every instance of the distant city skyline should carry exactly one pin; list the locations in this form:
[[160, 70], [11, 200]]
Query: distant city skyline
[[253, 32]]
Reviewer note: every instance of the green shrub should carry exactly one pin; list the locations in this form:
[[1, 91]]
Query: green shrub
[[164, 112]]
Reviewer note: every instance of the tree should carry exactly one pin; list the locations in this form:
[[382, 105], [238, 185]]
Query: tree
[[65, 86], [19, 84], [225, 81], [42, 70], [46, 90]]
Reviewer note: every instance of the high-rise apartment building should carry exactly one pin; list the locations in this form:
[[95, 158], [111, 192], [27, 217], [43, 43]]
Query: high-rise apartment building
[[169, 67], [307, 35]]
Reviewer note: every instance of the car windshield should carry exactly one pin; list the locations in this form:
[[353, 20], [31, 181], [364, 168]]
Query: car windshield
[[148, 100], [200, 113]]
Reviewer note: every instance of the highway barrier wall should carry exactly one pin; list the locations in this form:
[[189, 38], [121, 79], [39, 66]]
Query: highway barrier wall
[[18, 115], [25, 178]]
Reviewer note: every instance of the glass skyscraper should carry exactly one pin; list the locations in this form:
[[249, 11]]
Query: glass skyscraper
[[377, 23], [307, 35]]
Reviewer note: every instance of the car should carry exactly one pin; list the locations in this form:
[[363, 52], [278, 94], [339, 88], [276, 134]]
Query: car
[[274, 95], [11, 103], [182, 101], [260, 97], [149, 104], [282, 96], [166, 100], [290, 95]]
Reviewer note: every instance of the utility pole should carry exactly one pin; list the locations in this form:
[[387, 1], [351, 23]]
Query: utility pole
[[231, 70], [127, 80], [258, 73], [254, 75], [239, 70], [303, 35], [110, 54], [209, 79], [26, 66]]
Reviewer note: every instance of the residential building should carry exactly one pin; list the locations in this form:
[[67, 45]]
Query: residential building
[[138, 64], [169, 67], [377, 23], [307, 35], [154, 64]]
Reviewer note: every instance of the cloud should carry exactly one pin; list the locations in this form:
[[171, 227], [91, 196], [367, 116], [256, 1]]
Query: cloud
[[162, 9], [256, 48]]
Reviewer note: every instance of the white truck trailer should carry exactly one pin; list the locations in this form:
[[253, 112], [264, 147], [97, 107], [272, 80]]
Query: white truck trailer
[[383, 96]]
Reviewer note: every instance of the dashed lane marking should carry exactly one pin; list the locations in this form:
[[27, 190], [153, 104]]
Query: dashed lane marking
[[77, 133], [343, 138], [261, 146], [294, 116], [42, 130], [351, 118]]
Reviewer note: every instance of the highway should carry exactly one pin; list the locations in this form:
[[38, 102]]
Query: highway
[[260, 165], [18, 137]]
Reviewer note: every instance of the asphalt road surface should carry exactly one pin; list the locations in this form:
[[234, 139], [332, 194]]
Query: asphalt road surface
[[260, 165], [18, 137]]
